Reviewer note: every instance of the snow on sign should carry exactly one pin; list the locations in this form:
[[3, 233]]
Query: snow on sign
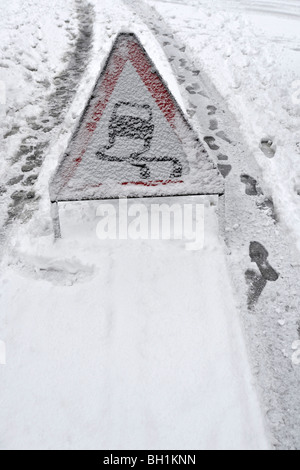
[[133, 140]]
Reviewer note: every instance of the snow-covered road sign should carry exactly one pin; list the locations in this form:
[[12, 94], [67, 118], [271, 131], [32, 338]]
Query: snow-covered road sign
[[133, 140]]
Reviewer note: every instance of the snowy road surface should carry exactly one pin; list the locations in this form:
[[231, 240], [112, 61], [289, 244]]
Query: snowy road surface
[[125, 345], [140, 345], [243, 96]]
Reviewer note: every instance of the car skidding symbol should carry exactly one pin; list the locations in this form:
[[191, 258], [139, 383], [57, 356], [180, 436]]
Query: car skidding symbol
[[131, 125]]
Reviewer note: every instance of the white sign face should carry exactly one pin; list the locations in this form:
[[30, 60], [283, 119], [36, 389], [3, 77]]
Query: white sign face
[[133, 140]]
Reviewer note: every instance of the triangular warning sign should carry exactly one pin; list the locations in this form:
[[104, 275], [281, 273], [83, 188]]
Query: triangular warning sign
[[133, 140]]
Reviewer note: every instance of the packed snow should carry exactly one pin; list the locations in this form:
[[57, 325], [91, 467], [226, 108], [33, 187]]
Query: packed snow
[[108, 354], [31, 33], [251, 50]]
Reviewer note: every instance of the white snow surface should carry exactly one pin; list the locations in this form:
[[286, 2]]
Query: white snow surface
[[122, 345], [31, 34], [251, 51]]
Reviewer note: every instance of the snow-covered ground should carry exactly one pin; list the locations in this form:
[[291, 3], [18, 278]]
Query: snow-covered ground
[[122, 345], [44, 52], [251, 51], [31, 33], [139, 344]]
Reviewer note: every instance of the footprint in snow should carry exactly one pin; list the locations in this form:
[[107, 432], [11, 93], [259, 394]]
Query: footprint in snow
[[191, 90], [224, 170], [259, 255], [222, 157], [223, 136], [213, 125], [3, 190], [192, 105], [211, 110], [251, 185], [30, 180], [211, 142], [268, 147], [62, 272], [202, 93], [256, 287], [14, 130], [268, 206], [15, 180], [191, 113]]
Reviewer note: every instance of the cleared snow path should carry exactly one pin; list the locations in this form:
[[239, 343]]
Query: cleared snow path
[[270, 304], [123, 345]]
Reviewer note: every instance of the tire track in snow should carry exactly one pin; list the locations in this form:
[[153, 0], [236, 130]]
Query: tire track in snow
[[287, 8], [21, 199], [250, 218], [291, 9]]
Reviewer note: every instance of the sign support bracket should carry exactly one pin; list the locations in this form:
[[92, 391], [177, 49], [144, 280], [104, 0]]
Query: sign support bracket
[[220, 212], [55, 220]]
